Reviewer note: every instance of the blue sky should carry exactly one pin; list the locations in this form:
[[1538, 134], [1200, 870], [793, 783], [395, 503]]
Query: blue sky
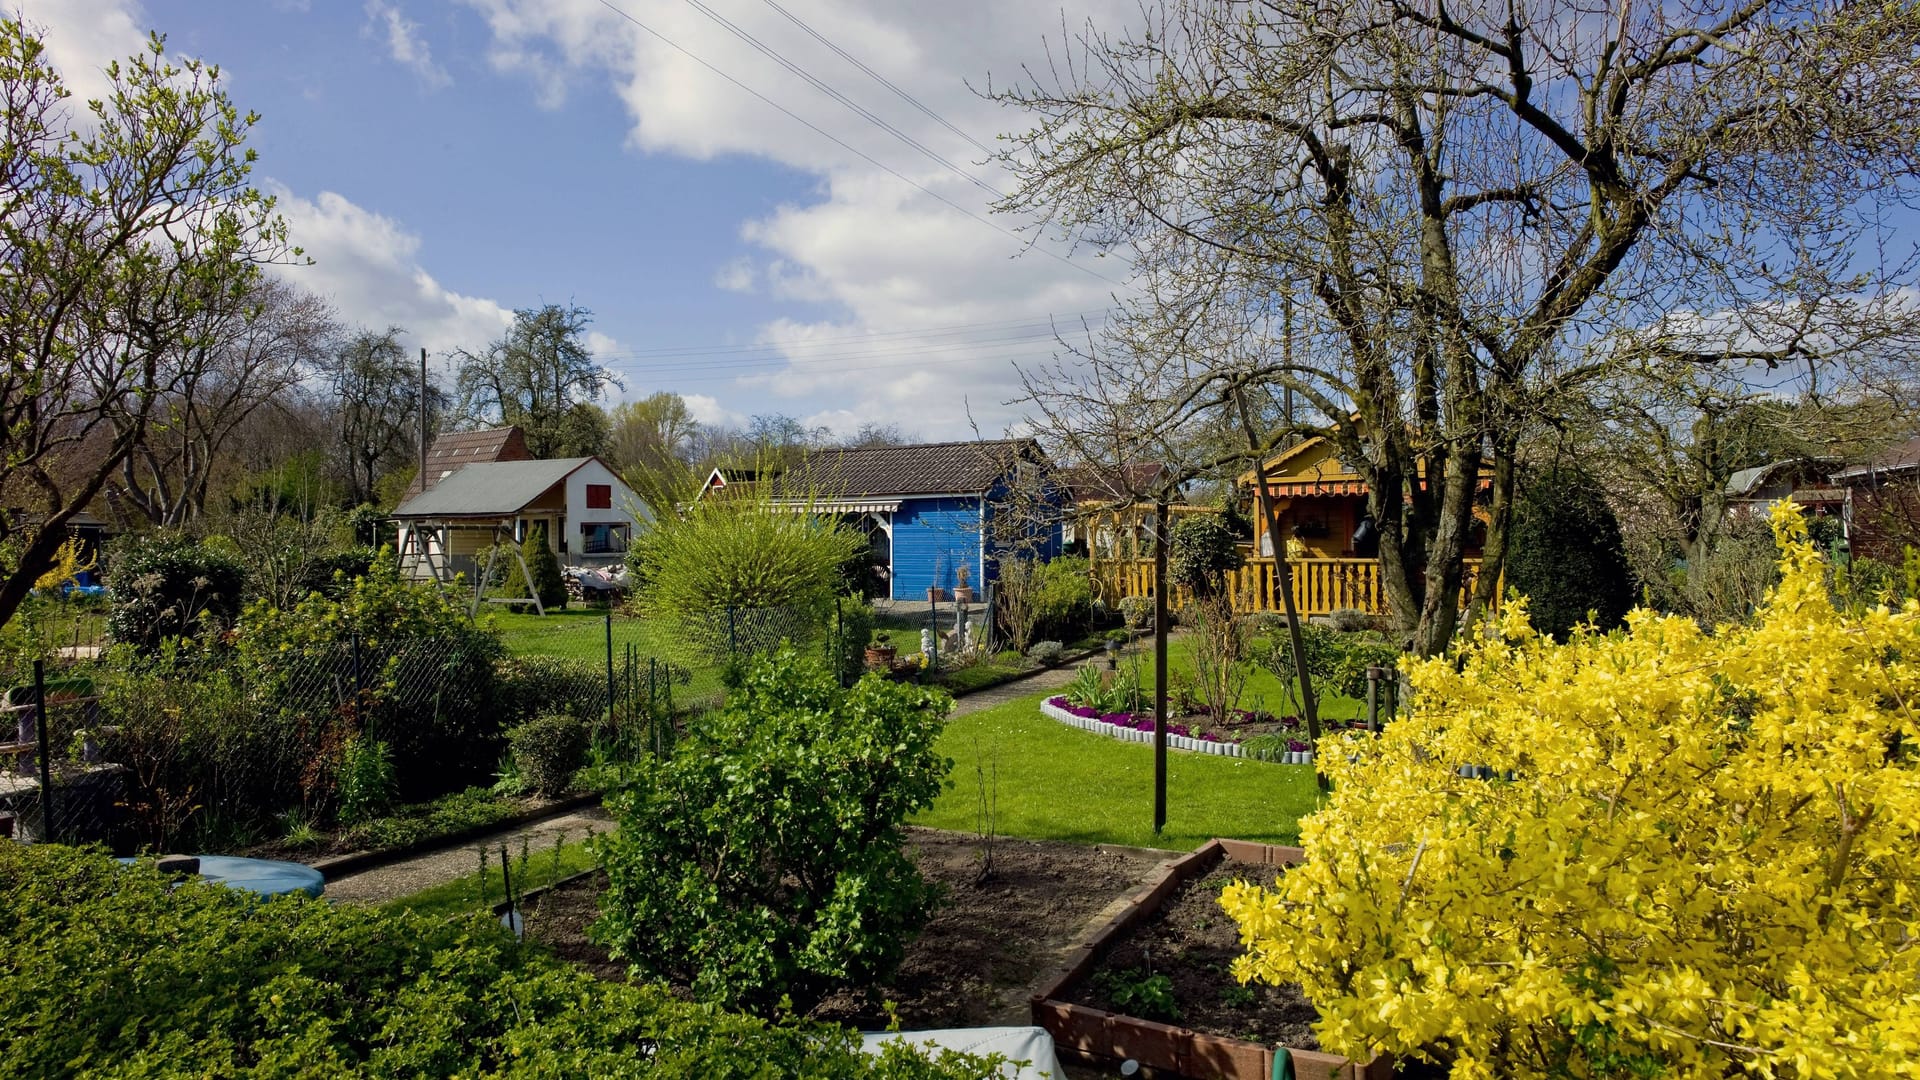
[[446, 161]]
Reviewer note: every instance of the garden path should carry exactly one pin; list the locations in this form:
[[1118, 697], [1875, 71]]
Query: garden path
[[404, 877], [379, 884]]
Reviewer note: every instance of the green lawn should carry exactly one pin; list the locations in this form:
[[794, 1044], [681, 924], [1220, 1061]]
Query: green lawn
[[575, 633], [1263, 690], [1060, 783]]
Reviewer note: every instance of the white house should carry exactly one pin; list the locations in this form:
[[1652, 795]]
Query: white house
[[590, 514]]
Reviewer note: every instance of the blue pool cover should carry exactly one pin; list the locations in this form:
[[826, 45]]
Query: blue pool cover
[[268, 877]]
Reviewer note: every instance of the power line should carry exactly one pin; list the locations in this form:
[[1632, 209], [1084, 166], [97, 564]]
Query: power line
[[856, 108], [1038, 324], [881, 79], [796, 118]]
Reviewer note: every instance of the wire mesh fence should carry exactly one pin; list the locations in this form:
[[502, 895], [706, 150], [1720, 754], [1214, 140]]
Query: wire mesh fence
[[195, 743]]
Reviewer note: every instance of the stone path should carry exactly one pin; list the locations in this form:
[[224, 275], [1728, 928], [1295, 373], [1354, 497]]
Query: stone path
[[379, 884]]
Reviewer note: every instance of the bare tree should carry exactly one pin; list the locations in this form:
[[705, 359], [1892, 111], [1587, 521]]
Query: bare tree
[[541, 376], [376, 390], [122, 232], [246, 354], [1431, 224]]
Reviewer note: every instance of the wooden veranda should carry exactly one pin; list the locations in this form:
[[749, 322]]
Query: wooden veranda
[[1320, 586]]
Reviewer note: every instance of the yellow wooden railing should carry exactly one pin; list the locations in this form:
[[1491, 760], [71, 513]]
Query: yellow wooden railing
[[1320, 586]]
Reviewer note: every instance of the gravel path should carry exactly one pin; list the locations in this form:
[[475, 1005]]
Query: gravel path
[[379, 884]]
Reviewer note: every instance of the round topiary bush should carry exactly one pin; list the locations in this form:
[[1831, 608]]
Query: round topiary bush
[[1564, 553], [548, 750], [168, 585], [1203, 553]]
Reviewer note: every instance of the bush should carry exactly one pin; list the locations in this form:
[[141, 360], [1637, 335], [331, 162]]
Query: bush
[[334, 573], [763, 860], [1337, 661], [544, 566], [852, 621], [1063, 597], [527, 686], [366, 779], [1564, 553], [736, 553], [1046, 653], [548, 750], [166, 585], [116, 970], [1202, 554], [1699, 867], [1137, 611], [425, 675]]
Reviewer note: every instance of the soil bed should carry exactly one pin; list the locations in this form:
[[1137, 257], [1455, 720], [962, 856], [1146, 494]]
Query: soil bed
[[1191, 943], [977, 959]]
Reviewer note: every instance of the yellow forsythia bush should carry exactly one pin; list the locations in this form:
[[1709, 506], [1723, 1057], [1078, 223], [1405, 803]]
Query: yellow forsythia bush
[[1703, 863]]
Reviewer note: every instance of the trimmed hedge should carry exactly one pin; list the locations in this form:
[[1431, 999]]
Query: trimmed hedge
[[115, 972], [1564, 553]]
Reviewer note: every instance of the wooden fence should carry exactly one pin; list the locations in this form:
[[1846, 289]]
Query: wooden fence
[[1320, 586]]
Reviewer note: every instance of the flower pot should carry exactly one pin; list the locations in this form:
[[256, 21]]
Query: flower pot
[[880, 656], [963, 594], [936, 594]]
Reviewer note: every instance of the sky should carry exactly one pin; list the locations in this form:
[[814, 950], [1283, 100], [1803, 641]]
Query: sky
[[742, 236]]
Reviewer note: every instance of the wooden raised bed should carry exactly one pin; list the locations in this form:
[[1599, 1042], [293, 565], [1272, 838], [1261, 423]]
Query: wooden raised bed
[[1105, 1038]]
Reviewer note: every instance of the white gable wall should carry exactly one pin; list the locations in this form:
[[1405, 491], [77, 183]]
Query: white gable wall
[[626, 510]]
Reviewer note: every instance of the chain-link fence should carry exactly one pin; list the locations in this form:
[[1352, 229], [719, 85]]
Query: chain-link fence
[[200, 744]]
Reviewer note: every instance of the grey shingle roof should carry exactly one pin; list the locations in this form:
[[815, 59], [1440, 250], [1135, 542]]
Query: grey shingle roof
[[923, 469], [490, 488]]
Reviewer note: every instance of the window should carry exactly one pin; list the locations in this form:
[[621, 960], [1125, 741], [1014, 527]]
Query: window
[[599, 496], [603, 537]]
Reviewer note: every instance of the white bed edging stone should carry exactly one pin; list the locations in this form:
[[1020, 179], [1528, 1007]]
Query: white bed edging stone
[[1178, 742]]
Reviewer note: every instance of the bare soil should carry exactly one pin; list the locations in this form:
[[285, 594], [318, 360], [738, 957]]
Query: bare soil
[[979, 957], [1191, 943]]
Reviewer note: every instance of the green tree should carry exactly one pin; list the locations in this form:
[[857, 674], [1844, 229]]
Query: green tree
[[544, 566], [652, 442], [124, 228], [765, 859], [1564, 553], [540, 376]]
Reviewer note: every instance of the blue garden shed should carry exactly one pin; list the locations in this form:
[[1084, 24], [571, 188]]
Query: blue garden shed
[[936, 515]]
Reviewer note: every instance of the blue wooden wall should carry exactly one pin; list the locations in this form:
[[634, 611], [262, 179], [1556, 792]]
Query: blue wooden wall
[[932, 539]]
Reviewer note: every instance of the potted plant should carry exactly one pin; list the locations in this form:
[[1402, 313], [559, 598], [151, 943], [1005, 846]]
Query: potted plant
[[880, 651], [963, 585], [1116, 640]]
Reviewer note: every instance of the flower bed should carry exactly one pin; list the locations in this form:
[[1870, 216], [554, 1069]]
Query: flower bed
[[1138, 727]]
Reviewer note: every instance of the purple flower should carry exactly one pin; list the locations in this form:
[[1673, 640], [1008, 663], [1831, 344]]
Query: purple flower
[[1295, 745]]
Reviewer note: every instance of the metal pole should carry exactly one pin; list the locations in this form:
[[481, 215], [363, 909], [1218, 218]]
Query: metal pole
[[933, 618], [423, 418], [357, 685], [609, 663], [733, 634], [1159, 666], [41, 722], [1373, 697], [840, 642]]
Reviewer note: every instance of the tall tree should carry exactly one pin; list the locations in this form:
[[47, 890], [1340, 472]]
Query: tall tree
[[653, 441], [246, 354], [539, 375], [376, 388], [123, 230], [1469, 211]]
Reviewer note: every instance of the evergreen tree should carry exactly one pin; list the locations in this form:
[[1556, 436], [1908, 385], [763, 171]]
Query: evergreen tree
[[544, 565], [1565, 553]]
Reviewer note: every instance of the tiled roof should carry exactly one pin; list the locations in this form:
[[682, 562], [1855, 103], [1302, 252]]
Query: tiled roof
[[960, 468], [456, 449], [1108, 483], [1896, 459]]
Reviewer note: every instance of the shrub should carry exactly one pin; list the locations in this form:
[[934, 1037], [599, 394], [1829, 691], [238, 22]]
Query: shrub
[[1338, 662], [366, 779], [1202, 554], [116, 970], [544, 566], [764, 858], [548, 750], [526, 686], [1137, 611], [1564, 553], [1700, 866], [851, 627], [1046, 653], [736, 553], [1063, 597], [166, 585]]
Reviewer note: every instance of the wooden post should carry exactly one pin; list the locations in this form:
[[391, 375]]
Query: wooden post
[[1160, 665]]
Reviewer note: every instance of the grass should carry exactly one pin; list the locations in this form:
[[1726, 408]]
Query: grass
[[1264, 691], [1059, 783], [473, 892]]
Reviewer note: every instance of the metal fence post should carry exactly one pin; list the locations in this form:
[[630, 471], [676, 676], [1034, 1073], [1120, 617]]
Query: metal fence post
[[840, 643], [609, 663], [733, 633], [41, 722], [358, 686]]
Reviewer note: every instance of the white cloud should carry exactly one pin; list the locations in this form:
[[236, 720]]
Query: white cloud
[[368, 265], [882, 254], [84, 36], [707, 410], [404, 43]]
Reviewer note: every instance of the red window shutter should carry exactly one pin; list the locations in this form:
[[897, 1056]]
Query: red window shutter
[[599, 496]]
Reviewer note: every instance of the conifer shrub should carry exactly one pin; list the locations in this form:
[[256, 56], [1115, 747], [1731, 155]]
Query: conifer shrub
[[1565, 555], [1675, 852], [544, 566], [762, 863]]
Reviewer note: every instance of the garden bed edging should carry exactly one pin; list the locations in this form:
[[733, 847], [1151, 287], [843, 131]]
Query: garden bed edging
[[1107, 1039], [1178, 742]]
